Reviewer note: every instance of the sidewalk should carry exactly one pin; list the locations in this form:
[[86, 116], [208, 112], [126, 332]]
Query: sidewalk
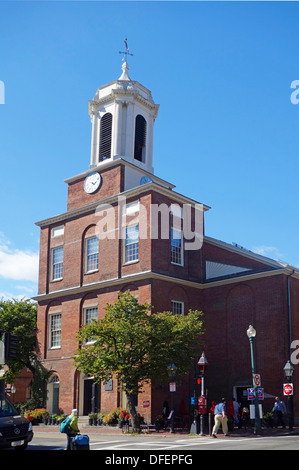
[[236, 433]]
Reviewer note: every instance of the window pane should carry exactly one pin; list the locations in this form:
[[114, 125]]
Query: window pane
[[90, 314], [55, 331], [57, 263], [176, 246], [92, 253], [177, 307], [131, 243]]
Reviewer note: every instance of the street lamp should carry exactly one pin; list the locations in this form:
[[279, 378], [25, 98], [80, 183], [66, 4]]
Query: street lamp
[[288, 370], [251, 332], [202, 406], [172, 372]]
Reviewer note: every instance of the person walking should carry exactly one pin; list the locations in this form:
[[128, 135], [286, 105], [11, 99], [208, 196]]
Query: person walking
[[220, 418], [72, 429], [236, 411], [279, 410]]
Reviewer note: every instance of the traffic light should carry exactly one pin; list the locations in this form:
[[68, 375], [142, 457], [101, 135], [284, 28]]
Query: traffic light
[[11, 346]]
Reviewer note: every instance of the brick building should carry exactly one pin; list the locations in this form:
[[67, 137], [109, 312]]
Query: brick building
[[126, 228]]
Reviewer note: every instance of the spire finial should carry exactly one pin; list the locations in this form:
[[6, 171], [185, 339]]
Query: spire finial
[[126, 53]]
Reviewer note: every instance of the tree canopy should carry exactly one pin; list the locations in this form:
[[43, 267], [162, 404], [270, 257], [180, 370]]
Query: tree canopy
[[135, 346], [19, 317]]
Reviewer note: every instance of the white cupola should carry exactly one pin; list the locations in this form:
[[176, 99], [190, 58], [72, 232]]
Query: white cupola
[[123, 114]]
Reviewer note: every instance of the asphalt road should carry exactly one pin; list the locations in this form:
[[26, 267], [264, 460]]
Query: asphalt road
[[117, 444]]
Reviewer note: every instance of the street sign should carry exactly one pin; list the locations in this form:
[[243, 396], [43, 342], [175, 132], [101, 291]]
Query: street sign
[[250, 393], [288, 389], [146, 404], [257, 380], [172, 387], [193, 400]]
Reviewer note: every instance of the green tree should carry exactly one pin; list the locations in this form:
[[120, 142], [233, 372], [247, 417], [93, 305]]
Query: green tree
[[19, 317], [136, 347]]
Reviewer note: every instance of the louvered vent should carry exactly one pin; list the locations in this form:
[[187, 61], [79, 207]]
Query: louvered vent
[[140, 136], [105, 137]]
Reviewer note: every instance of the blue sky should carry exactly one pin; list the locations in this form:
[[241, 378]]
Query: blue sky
[[226, 135]]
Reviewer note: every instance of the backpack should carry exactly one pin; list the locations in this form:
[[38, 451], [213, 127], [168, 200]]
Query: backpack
[[65, 425]]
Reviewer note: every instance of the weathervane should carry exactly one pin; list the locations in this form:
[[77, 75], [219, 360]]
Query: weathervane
[[126, 53]]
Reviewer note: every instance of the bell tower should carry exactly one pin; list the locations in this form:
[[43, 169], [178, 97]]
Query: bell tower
[[123, 114]]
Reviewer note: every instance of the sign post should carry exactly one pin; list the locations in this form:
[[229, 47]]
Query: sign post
[[146, 405]]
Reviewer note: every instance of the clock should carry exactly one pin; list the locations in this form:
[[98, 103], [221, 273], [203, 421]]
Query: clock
[[92, 182], [145, 179]]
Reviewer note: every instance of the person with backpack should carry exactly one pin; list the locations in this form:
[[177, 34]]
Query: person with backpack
[[70, 427], [220, 418]]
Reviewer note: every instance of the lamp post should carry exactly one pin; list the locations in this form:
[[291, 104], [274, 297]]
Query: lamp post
[[251, 332], [202, 404], [288, 370], [171, 372]]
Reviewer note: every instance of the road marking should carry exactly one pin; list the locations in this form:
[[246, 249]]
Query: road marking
[[102, 442]]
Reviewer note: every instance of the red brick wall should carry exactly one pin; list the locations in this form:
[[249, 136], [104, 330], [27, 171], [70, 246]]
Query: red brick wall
[[112, 183], [228, 308]]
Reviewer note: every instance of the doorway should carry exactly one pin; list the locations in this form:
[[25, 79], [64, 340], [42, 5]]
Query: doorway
[[241, 395], [91, 396], [53, 395]]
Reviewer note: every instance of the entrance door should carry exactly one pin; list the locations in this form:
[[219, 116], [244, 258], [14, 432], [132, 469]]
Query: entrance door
[[55, 399], [241, 396], [92, 397]]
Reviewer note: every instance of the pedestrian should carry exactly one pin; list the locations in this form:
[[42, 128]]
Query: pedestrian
[[72, 429], [236, 406], [245, 417], [212, 409], [220, 418], [279, 410]]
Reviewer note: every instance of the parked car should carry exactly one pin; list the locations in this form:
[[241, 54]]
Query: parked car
[[15, 430]]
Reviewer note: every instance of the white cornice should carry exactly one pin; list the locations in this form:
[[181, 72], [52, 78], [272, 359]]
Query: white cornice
[[113, 199], [113, 162], [162, 277]]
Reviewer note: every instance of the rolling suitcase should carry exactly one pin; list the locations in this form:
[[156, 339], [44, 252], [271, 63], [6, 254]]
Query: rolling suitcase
[[80, 442]]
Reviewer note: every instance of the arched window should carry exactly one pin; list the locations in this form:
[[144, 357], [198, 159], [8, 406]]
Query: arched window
[[105, 137], [140, 138]]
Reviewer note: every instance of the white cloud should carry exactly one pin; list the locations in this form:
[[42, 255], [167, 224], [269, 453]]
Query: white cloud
[[17, 264], [268, 251], [9, 296]]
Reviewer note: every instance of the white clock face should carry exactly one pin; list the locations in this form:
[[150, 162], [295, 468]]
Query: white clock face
[[92, 182]]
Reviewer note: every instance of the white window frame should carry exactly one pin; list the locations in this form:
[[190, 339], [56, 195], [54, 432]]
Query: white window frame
[[53, 330], [175, 304], [128, 244], [58, 231], [93, 317], [131, 208], [52, 263], [181, 263], [87, 255]]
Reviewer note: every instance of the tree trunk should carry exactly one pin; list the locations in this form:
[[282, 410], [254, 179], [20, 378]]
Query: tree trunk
[[133, 413]]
